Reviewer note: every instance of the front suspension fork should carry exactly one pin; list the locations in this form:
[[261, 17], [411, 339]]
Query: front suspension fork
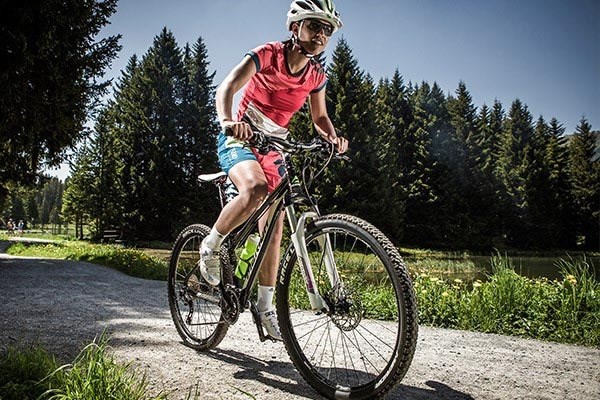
[[298, 227]]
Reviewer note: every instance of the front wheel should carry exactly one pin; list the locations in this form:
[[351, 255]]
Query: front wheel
[[195, 305], [363, 344]]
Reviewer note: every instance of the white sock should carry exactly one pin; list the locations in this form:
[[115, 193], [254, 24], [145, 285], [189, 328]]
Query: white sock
[[214, 239], [265, 297]]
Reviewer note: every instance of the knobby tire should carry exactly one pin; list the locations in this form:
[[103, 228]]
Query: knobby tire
[[345, 354]]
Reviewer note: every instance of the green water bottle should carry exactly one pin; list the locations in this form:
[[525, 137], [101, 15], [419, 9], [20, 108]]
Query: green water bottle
[[246, 255]]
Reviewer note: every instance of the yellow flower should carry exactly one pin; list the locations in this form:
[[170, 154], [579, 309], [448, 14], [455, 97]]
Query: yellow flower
[[445, 294], [572, 279], [423, 291], [434, 279], [476, 284], [457, 280]]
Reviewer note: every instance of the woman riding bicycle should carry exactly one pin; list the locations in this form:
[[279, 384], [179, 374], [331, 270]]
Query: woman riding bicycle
[[279, 77]]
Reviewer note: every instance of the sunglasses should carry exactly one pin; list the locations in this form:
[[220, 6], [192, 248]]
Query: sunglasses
[[317, 26]]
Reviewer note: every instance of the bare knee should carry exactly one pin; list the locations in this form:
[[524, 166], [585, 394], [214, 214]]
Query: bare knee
[[251, 183], [254, 193]]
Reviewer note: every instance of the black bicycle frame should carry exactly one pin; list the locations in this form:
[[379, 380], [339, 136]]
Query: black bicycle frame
[[274, 203]]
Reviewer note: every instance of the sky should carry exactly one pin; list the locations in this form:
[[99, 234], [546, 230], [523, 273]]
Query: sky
[[544, 52]]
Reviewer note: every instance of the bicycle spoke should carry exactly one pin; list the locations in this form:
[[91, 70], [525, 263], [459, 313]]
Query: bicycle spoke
[[193, 303], [344, 348], [316, 319]]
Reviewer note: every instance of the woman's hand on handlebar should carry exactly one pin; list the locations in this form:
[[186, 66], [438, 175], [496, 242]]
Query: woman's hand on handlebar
[[239, 130], [341, 144]]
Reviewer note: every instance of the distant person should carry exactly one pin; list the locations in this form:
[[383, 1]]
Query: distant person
[[10, 226], [20, 227]]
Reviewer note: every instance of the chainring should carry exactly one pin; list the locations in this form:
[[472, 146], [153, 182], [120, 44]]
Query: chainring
[[230, 304]]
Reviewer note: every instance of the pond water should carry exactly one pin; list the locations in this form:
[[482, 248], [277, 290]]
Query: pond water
[[535, 267]]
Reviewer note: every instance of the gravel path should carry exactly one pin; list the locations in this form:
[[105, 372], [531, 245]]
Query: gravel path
[[63, 305]]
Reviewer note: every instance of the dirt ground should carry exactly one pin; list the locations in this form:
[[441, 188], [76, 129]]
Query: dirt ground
[[63, 305]]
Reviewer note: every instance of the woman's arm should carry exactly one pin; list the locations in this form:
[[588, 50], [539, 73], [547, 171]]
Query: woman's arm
[[318, 111], [233, 82]]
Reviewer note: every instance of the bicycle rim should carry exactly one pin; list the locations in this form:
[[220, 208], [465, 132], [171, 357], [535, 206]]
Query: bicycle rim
[[363, 346], [195, 305]]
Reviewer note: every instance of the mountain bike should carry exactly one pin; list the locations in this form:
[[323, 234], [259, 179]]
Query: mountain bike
[[344, 300]]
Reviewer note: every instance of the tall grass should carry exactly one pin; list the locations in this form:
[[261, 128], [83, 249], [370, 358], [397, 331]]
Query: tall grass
[[35, 374], [23, 373], [563, 310]]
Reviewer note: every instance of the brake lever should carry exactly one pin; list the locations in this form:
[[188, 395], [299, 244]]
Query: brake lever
[[328, 148], [260, 142]]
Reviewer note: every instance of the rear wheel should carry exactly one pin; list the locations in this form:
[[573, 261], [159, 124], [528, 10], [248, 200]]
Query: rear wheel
[[195, 305], [363, 345]]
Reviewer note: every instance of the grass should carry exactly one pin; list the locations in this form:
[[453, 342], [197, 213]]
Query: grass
[[564, 310], [130, 261], [95, 374], [23, 373]]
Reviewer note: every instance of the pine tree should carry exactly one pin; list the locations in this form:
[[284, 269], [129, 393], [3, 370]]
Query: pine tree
[[32, 209], [425, 205], [131, 125], [148, 106], [414, 124], [473, 193], [351, 187], [557, 158], [584, 175], [512, 170], [496, 133], [104, 186], [398, 153], [538, 187], [150, 143], [17, 209], [78, 199], [198, 133], [483, 125], [51, 197]]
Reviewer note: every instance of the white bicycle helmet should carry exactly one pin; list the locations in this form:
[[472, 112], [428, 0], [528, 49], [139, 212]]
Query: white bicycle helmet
[[318, 9]]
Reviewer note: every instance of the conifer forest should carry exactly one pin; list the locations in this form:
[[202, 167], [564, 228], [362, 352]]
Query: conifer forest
[[428, 168]]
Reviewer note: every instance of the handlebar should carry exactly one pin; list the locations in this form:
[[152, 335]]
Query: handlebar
[[263, 143]]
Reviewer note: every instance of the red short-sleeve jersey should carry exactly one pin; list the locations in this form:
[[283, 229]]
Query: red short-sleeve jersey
[[274, 90]]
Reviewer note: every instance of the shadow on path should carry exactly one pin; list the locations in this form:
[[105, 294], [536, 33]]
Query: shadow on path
[[256, 369]]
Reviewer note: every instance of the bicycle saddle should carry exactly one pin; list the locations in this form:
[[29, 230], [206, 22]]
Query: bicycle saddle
[[211, 177]]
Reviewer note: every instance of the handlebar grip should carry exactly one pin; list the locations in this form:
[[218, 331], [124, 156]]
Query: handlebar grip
[[229, 131]]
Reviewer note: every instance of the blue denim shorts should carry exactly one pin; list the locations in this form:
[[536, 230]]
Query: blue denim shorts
[[232, 153]]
